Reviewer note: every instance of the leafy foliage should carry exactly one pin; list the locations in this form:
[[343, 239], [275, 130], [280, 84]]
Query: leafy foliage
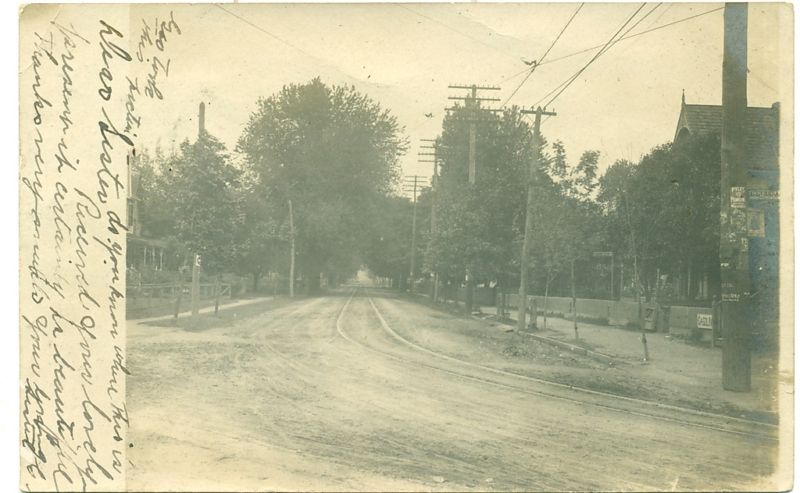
[[669, 204], [479, 226], [334, 153]]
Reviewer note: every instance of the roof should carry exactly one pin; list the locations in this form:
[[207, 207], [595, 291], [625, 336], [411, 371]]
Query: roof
[[761, 127]]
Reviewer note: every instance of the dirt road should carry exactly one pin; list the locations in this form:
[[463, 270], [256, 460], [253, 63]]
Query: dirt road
[[339, 393]]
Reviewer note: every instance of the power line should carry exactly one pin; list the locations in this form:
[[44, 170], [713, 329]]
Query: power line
[[450, 28], [560, 33], [273, 36], [513, 76], [293, 46], [568, 82], [539, 61], [624, 38], [611, 41]]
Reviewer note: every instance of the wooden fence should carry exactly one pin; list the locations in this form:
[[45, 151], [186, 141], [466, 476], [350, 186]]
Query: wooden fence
[[158, 299]]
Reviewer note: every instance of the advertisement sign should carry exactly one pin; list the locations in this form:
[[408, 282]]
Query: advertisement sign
[[738, 198], [704, 320]]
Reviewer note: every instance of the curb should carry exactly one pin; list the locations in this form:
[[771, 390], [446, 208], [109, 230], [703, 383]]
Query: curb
[[564, 345], [576, 349], [605, 358]]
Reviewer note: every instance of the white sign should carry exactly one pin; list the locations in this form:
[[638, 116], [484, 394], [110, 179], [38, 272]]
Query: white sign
[[738, 198], [704, 320], [763, 194]]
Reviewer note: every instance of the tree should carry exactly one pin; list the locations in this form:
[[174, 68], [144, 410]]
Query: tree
[[334, 153], [261, 238], [669, 204], [479, 226], [388, 248], [566, 223], [206, 202]]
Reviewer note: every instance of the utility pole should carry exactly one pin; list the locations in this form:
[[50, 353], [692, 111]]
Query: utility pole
[[533, 171], [472, 104], [196, 261], [636, 277], [434, 181], [412, 185], [291, 252], [201, 121], [734, 247], [196, 286]]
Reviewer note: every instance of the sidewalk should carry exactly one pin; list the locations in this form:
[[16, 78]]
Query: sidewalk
[[686, 371], [186, 312]]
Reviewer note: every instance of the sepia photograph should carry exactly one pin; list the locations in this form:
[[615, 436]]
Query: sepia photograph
[[406, 247]]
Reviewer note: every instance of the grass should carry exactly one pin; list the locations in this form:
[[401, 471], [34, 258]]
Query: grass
[[226, 316]]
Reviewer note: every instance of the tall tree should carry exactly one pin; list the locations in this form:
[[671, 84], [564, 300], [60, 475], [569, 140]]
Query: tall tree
[[333, 152], [206, 202], [479, 225], [669, 204]]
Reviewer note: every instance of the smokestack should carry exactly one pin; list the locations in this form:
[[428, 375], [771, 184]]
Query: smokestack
[[202, 120]]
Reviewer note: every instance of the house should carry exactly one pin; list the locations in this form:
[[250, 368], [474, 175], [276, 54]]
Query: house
[[762, 144], [143, 253]]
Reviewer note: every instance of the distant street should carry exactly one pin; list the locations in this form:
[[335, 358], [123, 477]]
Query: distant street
[[320, 395]]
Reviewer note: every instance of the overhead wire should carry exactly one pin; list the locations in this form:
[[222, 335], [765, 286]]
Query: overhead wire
[[610, 43], [291, 45], [539, 61], [451, 28], [624, 38]]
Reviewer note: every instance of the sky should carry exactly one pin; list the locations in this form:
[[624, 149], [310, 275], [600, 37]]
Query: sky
[[405, 55]]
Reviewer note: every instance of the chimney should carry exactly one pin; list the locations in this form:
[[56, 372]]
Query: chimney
[[202, 120]]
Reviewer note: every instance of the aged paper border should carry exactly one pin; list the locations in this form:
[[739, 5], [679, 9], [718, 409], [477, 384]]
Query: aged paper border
[[11, 355]]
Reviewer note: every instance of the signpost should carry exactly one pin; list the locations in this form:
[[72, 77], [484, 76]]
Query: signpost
[[196, 285]]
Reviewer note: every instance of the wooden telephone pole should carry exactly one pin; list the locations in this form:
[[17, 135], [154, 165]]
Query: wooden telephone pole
[[734, 244], [434, 182], [533, 171], [291, 250], [413, 184], [472, 104], [197, 260]]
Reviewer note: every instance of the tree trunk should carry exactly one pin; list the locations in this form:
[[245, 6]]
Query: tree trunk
[[469, 292], [256, 278], [544, 309], [216, 294], [574, 300]]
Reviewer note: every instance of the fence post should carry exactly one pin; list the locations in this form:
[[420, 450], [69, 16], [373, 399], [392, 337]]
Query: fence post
[[216, 295], [178, 300]]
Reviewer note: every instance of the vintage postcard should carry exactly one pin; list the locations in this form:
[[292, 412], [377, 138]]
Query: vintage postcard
[[406, 247]]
